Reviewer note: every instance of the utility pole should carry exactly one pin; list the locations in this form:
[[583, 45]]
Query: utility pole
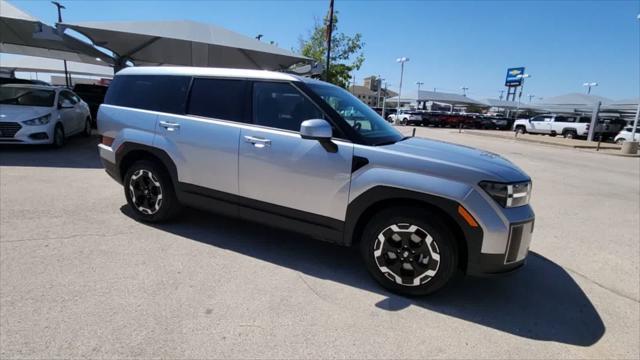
[[501, 94], [464, 90], [531, 97], [419, 83], [329, 32], [67, 81]]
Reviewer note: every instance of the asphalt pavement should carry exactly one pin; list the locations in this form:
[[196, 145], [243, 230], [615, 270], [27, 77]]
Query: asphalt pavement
[[80, 278]]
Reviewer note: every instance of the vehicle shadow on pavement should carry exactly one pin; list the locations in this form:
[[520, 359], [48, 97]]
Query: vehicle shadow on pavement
[[78, 152], [540, 302]]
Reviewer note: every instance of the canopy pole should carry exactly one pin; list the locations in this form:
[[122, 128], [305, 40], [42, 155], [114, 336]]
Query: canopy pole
[[635, 124], [594, 121]]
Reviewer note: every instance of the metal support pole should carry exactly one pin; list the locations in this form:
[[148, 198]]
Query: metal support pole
[[635, 124], [594, 121]]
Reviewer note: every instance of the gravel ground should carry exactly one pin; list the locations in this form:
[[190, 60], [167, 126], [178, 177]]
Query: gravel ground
[[80, 278]]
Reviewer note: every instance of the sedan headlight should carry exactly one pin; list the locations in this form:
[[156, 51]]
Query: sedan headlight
[[508, 195], [42, 120]]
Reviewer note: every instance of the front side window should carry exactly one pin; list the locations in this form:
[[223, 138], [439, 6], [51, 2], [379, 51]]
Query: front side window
[[218, 98], [373, 129], [282, 106], [26, 96]]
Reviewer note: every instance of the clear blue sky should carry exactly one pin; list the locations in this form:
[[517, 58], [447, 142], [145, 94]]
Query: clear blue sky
[[450, 43]]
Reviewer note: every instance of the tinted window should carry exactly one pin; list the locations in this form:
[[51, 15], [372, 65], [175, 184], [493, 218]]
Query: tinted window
[[538, 118], [218, 98], [281, 106], [149, 92], [26, 96], [65, 95]]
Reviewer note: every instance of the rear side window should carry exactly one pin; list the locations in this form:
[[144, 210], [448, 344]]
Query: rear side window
[[219, 99], [149, 92]]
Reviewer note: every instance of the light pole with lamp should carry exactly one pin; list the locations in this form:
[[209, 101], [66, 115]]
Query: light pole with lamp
[[589, 85], [464, 90], [531, 96], [401, 60], [419, 83]]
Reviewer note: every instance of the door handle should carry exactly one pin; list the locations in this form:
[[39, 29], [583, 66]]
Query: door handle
[[257, 142], [170, 126]]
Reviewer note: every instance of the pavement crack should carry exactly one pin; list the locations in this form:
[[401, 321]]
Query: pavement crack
[[312, 289], [616, 292], [101, 235]]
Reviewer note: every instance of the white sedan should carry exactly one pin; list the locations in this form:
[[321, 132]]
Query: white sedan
[[39, 114], [625, 135]]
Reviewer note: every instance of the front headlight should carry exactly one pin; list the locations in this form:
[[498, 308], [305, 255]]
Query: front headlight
[[42, 120], [508, 195]]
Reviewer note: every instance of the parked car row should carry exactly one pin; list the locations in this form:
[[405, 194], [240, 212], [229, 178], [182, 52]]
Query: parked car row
[[569, 126], [446, 119]]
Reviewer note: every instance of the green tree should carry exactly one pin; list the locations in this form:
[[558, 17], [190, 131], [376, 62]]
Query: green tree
[[346, 51]]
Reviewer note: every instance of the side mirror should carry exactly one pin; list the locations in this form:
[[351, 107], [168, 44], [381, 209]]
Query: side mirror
[[318, 129], [65, 104]]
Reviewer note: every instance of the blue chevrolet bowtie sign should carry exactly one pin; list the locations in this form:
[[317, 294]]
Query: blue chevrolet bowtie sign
[[512, 76]]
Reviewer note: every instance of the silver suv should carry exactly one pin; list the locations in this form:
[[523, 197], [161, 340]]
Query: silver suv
[[310, 157]]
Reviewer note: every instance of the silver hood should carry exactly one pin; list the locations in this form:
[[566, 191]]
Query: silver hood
[[445, 156]]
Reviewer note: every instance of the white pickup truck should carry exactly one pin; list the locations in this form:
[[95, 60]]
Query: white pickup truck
[[569, 126]]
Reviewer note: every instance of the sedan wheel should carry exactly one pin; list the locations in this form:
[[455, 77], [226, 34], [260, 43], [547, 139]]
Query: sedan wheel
[[58, 136]]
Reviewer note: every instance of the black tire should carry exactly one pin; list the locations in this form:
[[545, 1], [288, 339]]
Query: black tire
[[145, 207], [570, 134], [87, 128], [553, 134], [521, 130], [620, 141], [59, 139], [406, 219]]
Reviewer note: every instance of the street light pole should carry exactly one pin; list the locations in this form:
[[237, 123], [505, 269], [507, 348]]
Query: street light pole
[[401, 60], [589, 85], [531, 97], [464, 90], [66, 72], [501, 94]]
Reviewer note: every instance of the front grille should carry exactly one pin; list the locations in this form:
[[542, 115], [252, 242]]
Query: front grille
[[9, 129]]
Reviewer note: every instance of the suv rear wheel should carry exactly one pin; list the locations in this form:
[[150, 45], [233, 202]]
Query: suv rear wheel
[[408, 251], [149, 192], [521, 129]]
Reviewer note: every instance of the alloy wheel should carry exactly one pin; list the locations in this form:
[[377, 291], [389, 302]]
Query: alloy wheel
[[406, 254], [145, 191]]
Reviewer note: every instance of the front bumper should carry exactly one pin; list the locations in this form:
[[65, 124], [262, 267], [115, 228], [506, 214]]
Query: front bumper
[[505, 238], [18, 133]]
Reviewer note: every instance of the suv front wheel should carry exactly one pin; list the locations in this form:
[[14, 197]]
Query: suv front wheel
[[409, 251], [149, 192]]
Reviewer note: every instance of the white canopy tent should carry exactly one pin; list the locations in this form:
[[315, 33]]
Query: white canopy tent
[[183, 43], [19, 63], [21, 33]]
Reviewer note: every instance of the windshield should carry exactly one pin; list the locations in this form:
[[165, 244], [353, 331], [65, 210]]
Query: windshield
[[26, 96], [364, 120]]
